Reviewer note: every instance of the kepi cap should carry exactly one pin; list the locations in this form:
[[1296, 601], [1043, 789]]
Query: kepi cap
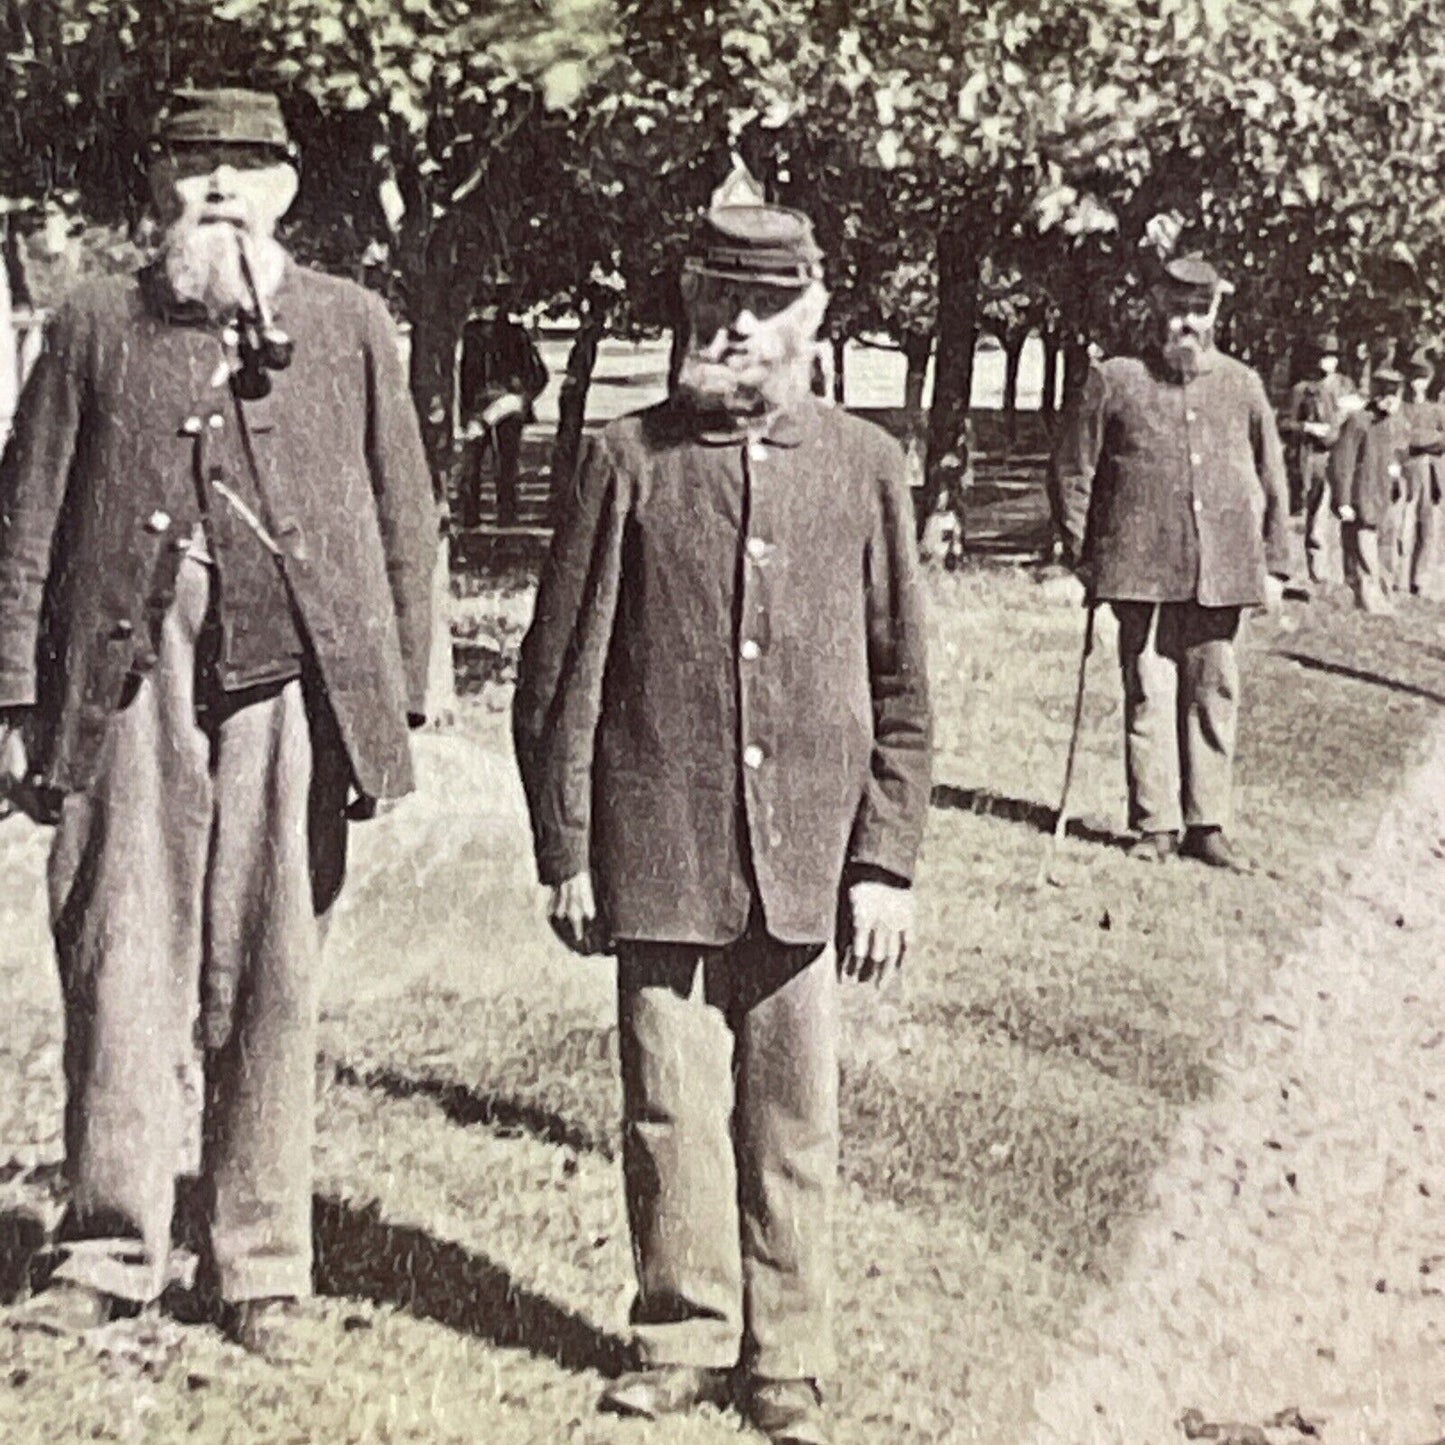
[[1191, 280], [1327, 344], [223, 117], [768, 245], [1385, 378]]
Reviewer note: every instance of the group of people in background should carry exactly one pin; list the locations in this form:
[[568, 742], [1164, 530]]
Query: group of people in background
[[1366, 471]]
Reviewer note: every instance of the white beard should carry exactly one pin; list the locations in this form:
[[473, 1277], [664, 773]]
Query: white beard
[[203, 264], [770, 369], [769, 372], [1183, 350]]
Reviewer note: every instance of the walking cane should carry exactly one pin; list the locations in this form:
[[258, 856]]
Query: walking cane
[[1062, 820]]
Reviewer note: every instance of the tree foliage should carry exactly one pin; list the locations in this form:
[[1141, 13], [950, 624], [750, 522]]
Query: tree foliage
[[986, 165]]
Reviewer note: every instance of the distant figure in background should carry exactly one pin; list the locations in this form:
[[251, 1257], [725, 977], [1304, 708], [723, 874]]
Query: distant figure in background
[[1424, 473], [1366, 478], [1169, 486], [1311, 425], [502, 375], [942, 540]]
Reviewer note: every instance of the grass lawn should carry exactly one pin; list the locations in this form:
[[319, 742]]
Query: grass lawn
[[1004, 1105]]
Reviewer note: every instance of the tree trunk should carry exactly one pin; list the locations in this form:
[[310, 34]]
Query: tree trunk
[[1076, 367], [1013, 355], [436, 327], [677, 349], [572, 403], [917, 349], [1049, 404], [441, 681], [840, 380], [958, 273], [431, 360]]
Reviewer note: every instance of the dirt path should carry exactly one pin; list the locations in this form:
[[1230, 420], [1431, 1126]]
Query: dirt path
[[1295, 1260]]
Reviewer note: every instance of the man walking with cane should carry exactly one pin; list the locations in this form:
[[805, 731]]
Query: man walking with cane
[[1170, 491]]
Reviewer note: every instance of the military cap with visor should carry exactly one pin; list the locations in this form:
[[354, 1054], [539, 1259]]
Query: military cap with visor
[[1190, 281], [1386, 378], [757, 245], [248, 121]]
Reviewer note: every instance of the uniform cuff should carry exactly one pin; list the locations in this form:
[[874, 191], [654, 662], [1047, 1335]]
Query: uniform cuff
[[881, 862], [563, 857]]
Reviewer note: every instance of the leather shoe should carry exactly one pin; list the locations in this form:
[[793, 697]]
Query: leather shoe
[[1208, 846], [788, 1412], [663, 1390], [1154, 847], [278, 1330], [65, 1308]]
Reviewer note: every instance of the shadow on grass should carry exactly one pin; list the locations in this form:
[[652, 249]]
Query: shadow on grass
[[22, 1237], [466, 1106], [360, 1255], [27, 1223], [1355, 674], [1038, 816]]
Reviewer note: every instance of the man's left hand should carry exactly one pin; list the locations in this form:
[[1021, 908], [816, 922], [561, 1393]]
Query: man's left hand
[[364, 808], [882, 924]]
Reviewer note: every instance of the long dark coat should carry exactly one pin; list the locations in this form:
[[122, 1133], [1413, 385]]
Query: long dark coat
[[723, 696], [1367, 464], [1169, 490], [121, 421]]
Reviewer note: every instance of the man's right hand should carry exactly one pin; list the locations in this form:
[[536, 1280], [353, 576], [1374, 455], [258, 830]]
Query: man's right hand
[[572, 912], [14, 756]]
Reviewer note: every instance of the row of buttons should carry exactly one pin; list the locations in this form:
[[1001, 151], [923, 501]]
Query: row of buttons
[[757, 549], [192, 425], [1195, 459]]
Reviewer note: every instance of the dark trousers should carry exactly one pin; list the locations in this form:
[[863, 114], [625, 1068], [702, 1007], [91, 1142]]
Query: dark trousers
[[730, 1151], [1420, 532], [1181, 703], [189, 888], [504, 441], [1322, 531], [1365, 570]]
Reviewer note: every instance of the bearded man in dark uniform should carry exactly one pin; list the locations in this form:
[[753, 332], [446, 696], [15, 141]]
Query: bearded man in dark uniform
[[216, 540], [723, 726], [1169, 486], [1311, 426], [1367, 481], [1424, 479]]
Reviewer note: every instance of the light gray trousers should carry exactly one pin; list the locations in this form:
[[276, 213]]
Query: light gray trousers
[[730, 1151], [189, 887], [1181, 706]]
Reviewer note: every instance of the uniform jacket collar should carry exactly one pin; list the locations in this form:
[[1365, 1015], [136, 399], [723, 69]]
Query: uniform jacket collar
[[1208, 361], [789, 428]]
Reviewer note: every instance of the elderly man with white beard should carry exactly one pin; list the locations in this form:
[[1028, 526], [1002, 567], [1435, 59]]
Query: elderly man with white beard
[[216, 541], [723, 727], [1168, 487]]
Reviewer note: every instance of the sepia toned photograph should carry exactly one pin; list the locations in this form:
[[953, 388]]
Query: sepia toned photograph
[[720, 721]]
